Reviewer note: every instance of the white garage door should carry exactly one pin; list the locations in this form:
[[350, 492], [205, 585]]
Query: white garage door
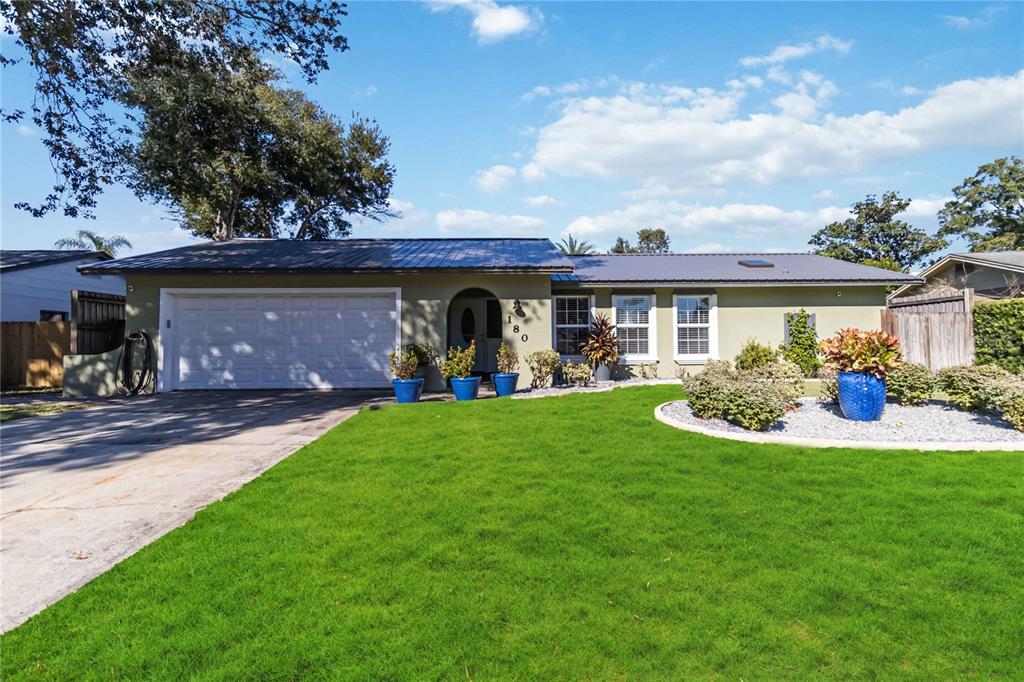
[[269, 339]]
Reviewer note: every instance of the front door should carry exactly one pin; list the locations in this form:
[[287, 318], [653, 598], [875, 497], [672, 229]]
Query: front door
[[477, 319]]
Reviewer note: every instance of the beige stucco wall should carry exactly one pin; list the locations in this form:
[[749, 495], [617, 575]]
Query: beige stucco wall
[[91, 375], [425, 299], [755, 312]]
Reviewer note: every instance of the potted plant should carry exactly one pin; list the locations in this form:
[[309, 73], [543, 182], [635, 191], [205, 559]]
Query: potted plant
[[863, 359], [408, 387], [507, 376], [457, 368], [602, 348]]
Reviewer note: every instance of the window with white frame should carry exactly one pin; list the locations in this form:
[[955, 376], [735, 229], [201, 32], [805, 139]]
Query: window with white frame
[[633, 326], [572, 323], [693, 326]]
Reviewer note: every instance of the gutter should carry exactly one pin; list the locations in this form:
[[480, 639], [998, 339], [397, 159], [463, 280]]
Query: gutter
[[680, 284]]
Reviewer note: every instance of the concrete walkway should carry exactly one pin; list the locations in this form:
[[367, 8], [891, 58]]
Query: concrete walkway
[[82, 490]]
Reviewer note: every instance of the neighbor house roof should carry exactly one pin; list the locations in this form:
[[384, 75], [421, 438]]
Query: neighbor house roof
[[726, 268], [348, 255], [1003, 260], [19, 260]]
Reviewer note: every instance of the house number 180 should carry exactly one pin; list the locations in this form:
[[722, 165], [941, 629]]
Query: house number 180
[[515, 330]]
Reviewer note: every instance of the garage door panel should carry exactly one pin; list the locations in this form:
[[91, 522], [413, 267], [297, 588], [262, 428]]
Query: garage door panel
[[271, 340]]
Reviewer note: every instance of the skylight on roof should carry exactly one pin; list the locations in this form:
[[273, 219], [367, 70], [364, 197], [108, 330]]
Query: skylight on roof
[[756, 263]]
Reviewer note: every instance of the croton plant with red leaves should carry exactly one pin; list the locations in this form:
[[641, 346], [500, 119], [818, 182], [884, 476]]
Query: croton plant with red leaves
[[867, 352]]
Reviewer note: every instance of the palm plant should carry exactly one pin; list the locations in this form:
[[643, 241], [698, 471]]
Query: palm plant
[[86, 239], [571, 246], [603, 345]]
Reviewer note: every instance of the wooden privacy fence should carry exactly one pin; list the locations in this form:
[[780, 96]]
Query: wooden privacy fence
[[97, 322], [936, 340], [33, 353], [952, 301]]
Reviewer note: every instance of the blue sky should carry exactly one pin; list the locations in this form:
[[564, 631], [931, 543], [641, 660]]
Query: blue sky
[[733, 126]]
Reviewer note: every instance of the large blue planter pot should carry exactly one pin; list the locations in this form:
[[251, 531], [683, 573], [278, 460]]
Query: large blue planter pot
[[861, 396], [466, 389], [505, 384], [407, 390]]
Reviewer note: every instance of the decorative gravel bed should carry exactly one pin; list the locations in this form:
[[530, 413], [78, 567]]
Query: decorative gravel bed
[[934, 422]]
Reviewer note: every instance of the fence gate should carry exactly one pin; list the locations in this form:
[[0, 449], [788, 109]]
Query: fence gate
[[935, 340], [98, 322]]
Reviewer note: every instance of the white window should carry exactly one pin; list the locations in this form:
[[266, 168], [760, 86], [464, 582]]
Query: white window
[[634, 324], [696, 328], [572, 323]]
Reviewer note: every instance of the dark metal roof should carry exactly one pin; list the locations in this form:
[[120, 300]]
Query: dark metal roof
[[19, 260], [348, 255], [788, 268]]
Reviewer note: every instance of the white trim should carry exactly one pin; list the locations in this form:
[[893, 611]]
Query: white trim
[[712, 354], [167, 314], [554, 322], [652, 329]]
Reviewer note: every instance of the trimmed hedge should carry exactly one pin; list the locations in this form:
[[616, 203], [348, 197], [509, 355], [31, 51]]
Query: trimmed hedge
[[999, 334]]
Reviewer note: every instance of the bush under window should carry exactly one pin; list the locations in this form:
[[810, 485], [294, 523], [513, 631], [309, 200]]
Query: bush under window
[[543, 364], [754, 355], [577, 373]]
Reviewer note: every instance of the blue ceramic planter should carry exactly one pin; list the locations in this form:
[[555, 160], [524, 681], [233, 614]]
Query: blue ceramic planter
[[407, 390], [861, 396], [465, 388], [505, 384]]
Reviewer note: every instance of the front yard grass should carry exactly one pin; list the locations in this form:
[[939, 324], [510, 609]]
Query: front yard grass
[[565, 538]]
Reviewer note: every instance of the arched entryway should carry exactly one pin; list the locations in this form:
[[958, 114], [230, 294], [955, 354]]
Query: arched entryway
[[475, 315]]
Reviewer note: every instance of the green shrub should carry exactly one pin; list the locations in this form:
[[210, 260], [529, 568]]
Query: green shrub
[[706, 390], [753, 400], [786, 376], [976, 388], [910, 384], [754, 406], [459, 363], [999, 334], [403, 363], [1012, 410], [754, 355], [543, 364], [576, 373], [829, 385], [508, 359], [802, 348], [647, 370], [423, 352]]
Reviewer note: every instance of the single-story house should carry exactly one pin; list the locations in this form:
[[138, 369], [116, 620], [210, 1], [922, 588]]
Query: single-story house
[[992, 275], [252, 313], [36, 285]]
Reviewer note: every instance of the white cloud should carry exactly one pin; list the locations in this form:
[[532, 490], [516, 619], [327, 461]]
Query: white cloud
[[368, 91], [493, 22], [980, 21], [710, 247], [495, 178], [911, 90], [27, 131], [542, 200], [825, 194], [470, 222], [925, 207], [786, 52], [656, 134], [743, 221], [572, 87], [532, 172]]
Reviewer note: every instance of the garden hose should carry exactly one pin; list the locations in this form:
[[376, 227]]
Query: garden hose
[[135, 380]]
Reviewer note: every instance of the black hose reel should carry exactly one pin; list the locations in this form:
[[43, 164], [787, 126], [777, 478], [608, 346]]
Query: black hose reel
[[135, 363]]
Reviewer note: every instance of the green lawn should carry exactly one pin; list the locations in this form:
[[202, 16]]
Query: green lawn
[[565, 538]]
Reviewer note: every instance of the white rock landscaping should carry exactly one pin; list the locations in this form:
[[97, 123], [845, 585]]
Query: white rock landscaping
[[933, 426]]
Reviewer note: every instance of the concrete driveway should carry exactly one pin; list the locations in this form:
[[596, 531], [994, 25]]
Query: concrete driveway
[[81, 490]]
